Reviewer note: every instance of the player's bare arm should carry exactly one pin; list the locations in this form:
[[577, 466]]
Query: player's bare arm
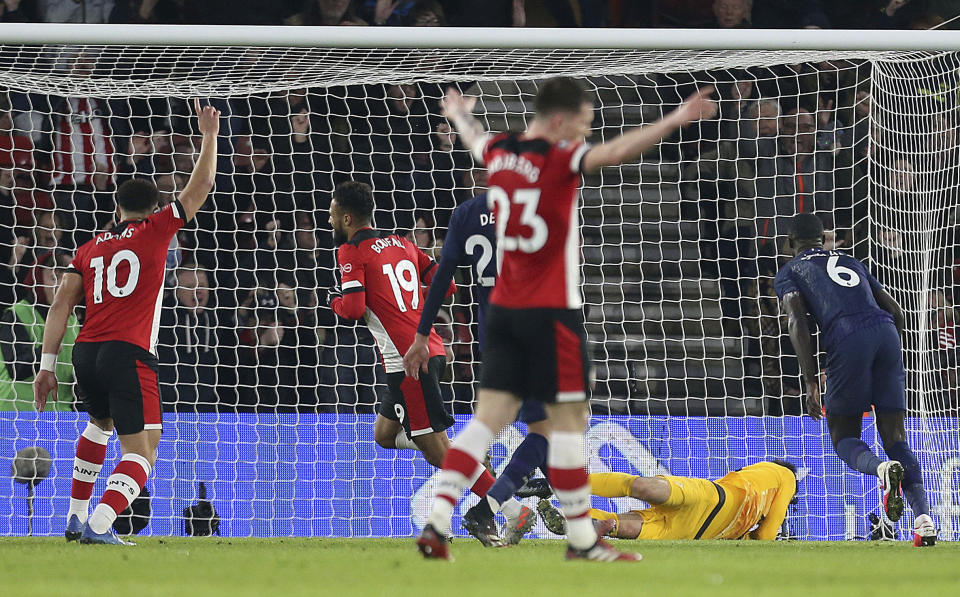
[[796, 309], [68, 296], [205, 171], [889, 304], [458, 109], [629, 146]]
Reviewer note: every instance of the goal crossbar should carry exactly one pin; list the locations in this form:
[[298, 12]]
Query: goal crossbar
[[480, 37]]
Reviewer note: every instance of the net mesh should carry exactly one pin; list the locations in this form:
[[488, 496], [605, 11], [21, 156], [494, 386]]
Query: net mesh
[[270, 398]]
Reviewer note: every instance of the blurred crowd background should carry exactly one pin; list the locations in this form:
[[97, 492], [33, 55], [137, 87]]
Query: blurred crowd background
[[243, 324], [769, 14]]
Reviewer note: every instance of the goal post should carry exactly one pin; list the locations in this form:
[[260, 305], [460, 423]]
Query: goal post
[[269, 399]]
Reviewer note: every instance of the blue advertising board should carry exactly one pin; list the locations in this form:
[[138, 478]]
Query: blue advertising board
[[323, 475]]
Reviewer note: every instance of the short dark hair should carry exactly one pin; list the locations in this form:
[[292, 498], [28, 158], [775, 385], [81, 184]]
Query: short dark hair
[[786, 464], [138, 195], [560, 94], [355, 198], [806, 227], [796, 478]]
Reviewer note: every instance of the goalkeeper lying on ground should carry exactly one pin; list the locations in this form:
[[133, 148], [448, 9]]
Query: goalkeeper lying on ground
[[750, 503]]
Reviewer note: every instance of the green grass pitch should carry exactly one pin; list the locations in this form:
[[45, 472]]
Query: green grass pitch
[[213, 567]]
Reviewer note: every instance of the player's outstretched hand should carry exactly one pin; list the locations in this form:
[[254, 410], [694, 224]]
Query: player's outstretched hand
[[417, 357], [814, 408], [209, 118], [43, 385], [698, 106], [327, 300], [455, 104]]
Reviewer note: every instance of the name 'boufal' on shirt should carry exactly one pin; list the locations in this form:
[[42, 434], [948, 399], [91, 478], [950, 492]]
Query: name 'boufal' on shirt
[[382, 243], [517, 163]]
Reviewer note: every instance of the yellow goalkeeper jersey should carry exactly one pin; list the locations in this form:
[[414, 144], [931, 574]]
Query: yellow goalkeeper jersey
[[728, 508]]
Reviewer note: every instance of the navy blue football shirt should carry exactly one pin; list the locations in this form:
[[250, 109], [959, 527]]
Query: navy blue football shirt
[[472, 241], [838, 291]]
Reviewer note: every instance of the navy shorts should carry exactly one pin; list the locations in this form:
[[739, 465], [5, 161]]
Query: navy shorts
[[866, 369], [531, 411]]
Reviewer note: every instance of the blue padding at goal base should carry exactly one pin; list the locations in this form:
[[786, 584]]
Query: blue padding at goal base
[[323, 476]]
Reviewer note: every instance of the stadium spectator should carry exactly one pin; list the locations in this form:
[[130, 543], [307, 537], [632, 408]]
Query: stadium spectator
[[789, 14], [138, 158], [944, 356], [741, 175], [426, 13], [47, 234], [386, 12], [268, 371], [307, 338], [438, 171], [12, 242], [14, 145], [312, 263], [17, 11], [804, 175], [197, 347], [160, 12], [325, 12], [424, 235], [21, 335], [72, 11], [492, 13], [83, 158], [730, 14], [892, 14], [861, 124]]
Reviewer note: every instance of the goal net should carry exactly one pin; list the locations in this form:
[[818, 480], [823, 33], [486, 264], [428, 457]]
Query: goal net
[[269, 400]]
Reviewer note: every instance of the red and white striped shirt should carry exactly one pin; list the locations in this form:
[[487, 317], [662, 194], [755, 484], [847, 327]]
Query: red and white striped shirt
[[81, 143]]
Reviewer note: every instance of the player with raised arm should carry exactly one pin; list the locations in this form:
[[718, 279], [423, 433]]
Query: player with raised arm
[[535, 342], [748, 503], [860, 326], [471, 240], [119, 276], [380, 280]]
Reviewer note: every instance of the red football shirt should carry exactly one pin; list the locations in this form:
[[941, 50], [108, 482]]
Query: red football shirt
[[532, 190], [391, 272], [123, 272]]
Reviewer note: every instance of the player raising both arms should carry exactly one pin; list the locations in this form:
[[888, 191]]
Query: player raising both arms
[[749, 503], [471, 240], [119, 276], [380, 278], [860, 325], [535, 343]]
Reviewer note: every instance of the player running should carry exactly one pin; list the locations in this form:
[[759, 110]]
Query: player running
[[119, 276], [471, 240], [860, 325], [380, 280], [749, 503], [535, 343]]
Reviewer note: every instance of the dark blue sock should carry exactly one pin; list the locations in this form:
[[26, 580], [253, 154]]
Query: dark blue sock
[[531, 453], [912, 477], [857, 455]]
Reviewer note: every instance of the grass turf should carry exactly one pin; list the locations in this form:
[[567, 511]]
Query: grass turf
[[289, 567]]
